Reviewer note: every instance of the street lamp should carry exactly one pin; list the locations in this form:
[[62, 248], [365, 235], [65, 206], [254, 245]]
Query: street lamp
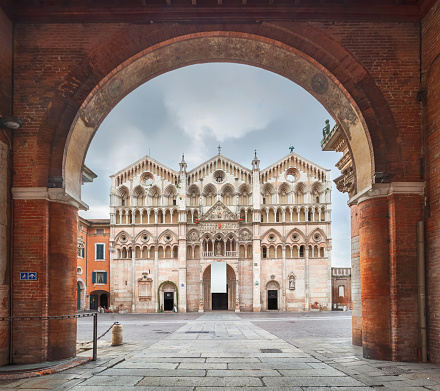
[[10, 122]]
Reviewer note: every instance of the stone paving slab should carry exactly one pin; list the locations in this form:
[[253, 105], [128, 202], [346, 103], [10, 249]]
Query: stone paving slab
[[152, 372], [229, 358], [312, 381], [201, 381]]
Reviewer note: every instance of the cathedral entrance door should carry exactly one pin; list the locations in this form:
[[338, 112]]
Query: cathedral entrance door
[[272, 299], [220, 301], [168, 301]]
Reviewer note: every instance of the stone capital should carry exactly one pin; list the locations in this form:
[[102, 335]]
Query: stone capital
[[386, 189], [48, 194]]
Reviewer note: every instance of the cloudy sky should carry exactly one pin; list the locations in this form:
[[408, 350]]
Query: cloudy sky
[[194, 109]]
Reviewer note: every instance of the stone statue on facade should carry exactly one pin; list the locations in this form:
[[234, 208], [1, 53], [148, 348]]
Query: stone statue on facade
[[326, 128], [292, 281], [218, 250]]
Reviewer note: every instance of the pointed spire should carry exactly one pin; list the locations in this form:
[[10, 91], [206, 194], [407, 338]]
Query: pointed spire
[[255, 162], [182, 164]]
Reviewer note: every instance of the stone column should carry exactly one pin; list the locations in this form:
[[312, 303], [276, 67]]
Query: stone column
[[375, 278], [62, 288], [355, 278], [283, 284], [237, 294], [306, 277], [44, 244], [202, 299], [133, 276]]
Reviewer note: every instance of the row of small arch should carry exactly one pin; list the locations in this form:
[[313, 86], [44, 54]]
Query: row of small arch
[[224, 236], [267, 188], [244, 252], [268, 215]]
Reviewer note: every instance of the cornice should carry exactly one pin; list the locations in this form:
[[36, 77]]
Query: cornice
[[48, 194], [386, 189]]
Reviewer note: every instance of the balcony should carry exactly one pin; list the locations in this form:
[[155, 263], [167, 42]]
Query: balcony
[[210, 254]]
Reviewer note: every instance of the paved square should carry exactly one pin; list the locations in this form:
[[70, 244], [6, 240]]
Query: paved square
[[226, 351]]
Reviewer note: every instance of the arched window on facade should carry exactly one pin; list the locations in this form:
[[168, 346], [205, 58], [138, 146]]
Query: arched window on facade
[[139, 196], [341, 291]]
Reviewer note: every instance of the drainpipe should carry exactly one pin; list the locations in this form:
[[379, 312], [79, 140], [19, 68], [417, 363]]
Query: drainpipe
[[421, 291]]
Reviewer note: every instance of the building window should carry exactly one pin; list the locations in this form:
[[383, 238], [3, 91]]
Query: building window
[[301, 251], [81, 252], [99, 278], [341, 291], [100, 231], [79, 270], [99, 251], [264, 252], [264, 200]]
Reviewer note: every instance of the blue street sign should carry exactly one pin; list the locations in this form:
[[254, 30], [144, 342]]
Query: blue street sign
[[33, 276], [23, 276]]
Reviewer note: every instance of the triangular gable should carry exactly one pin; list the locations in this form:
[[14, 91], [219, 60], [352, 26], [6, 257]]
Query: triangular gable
[[295, 157], [215, 159], [219, 212]]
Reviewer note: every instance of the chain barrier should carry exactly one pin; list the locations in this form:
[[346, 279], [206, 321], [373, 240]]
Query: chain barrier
[[10, 318], [58, 317], [105, 332]]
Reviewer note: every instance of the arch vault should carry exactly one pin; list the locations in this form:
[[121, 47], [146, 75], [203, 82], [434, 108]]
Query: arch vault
[[50, 149]]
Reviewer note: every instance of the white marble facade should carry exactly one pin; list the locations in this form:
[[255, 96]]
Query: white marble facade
[[272, 227]]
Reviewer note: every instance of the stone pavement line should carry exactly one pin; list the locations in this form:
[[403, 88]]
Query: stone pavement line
[[220, 351]]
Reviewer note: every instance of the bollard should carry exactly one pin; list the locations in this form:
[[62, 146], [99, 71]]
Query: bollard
[[117, 334]]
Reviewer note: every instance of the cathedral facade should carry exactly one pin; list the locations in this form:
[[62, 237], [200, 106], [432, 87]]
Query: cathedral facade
[[265, 233]]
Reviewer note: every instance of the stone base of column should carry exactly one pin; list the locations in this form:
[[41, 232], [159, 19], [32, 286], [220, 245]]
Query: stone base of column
[[356, 333]]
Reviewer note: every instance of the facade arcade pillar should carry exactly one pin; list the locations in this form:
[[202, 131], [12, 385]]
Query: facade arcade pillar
[[183, 289], [45, 235], [256, 242], [387, 220], [356, 319]]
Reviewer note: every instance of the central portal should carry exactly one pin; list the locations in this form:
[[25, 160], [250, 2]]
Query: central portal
[[220, 301], [213, 300]]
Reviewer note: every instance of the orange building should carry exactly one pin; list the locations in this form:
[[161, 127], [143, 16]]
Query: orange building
[[93, 265]]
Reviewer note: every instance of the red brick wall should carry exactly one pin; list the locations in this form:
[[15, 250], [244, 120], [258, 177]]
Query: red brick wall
[[31, 253], [62, 280], [431, 74], [5, 65], [339, 279], [375, 278], [356, 278], [403, 274], [71, 59], [5, 201]]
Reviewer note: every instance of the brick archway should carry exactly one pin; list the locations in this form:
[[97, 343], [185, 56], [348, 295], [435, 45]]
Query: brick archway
[[70, 111], [221, 46]]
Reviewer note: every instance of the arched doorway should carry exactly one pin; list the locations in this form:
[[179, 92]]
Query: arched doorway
[[272, 295], [167, 296], [81, 303], [98, 299], [216, 301]]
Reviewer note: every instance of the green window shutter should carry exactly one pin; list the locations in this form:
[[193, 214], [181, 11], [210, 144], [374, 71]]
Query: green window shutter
[[105, 277], [99, 251], [82, 252], [94, 278]]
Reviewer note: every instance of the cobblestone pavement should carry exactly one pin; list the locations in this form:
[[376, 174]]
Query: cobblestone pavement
[[235, 352]]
